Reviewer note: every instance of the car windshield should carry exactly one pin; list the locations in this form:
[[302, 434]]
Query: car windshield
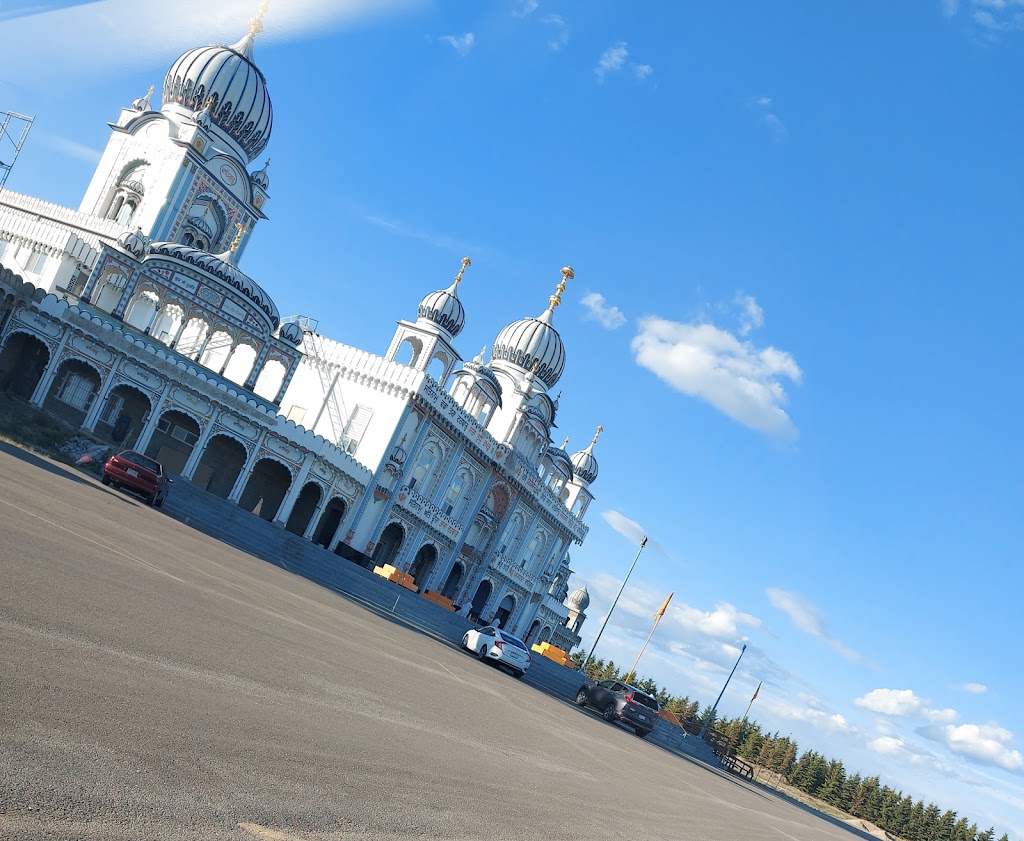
[[142, 461], [509, 638]]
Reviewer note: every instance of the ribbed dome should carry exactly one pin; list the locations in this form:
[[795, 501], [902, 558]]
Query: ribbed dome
[[533, 344], [240, 105], [220, 266], [134, 242], [291, 333], [560, 457], [584, 465], [444, 309], [530, 343], [261, 178], [579, 600]]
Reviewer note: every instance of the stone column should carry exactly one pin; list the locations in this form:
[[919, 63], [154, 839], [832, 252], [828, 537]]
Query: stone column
[[284, 511], [197, 451], [46, 380], [246, 472], [93, 416], [142, 442]]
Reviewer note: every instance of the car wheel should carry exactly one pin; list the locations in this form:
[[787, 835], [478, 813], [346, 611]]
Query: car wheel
[[105, 479], [151, 500], [609, 712], [641, 732], [518, 675], [483, 653], [581, 698], [160, 502], [465, 642]]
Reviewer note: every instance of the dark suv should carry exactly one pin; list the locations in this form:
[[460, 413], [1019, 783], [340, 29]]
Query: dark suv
[[618, 701]]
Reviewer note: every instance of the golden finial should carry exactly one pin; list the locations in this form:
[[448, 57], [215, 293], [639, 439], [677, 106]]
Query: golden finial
[[597, 435], [556, 299], [466, 262], [149, 93], [256, 23], [242, 230]]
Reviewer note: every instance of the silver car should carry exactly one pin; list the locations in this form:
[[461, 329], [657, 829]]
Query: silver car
[[493, 645]]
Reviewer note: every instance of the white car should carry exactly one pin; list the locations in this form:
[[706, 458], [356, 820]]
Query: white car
[[493, 645]]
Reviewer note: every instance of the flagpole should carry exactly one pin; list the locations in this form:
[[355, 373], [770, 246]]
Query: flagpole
[[593, 648], [711, 715], [657, 620], [752, 699]]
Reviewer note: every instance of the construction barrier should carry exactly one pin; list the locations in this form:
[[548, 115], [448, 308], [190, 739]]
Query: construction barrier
[[391, 574], [546, 649], [437, 598]]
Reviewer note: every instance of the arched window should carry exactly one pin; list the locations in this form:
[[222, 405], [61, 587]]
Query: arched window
[[457, 492], [512, 534], [425, 464], [532, 548]]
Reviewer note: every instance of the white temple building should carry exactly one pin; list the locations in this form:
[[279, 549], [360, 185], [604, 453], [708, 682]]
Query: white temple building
[[131, 318]]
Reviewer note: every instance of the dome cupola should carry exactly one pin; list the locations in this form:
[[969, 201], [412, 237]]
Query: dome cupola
[[584, 465], [443, 308], [533, 344], [134, 242], [261, 178], [579, 600], [227, 82]]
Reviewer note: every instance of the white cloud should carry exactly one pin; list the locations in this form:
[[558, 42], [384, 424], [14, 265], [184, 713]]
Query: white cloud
[[886, 744], [611, 60], [562, 31], [752, 316], [629, 529], [525, 7], [87, 41], [989, 744], [903, 703], [723, 623], [950, 7], [401, 229], [975, 688], [808, 619], [601, 312], [615, 58], [462, 44], [763, 106], [72, 148], [711, 364]]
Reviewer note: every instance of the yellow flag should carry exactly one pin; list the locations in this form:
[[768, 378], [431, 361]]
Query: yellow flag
[[664, 607]]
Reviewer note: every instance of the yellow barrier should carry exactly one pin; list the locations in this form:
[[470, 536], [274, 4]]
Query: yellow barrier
[[437, 598], [391, 574], [546, 649]]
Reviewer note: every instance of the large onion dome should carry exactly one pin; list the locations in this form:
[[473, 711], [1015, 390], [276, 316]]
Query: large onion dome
[[584, 465], [533, 344], [226, 79], [443, 308], [579, 600]]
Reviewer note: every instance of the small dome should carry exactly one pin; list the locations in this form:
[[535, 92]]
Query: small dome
[[260, 178], [220, 266], [291, 333], [560, 457], [584, 465], [444, 309], [134, 242], [579, 600], [142, 103], [226, 79], [533, 344]]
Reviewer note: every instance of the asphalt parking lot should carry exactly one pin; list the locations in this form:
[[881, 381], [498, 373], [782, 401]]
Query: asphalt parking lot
[[156, 684]]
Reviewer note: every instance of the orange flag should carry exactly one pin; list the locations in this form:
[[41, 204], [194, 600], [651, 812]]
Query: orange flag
[[664, 607], [755, 692]]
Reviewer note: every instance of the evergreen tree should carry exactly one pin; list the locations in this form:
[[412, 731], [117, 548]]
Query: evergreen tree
[[832, 787], [988, 835]]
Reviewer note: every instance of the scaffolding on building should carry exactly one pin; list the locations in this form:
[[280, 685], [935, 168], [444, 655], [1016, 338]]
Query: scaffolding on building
[[14, 129]]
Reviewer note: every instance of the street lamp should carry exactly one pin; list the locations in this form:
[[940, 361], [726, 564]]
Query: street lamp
[[711, 715], [590, 656]]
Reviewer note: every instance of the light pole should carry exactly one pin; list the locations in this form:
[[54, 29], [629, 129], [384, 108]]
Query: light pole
[[643, 543], [711, 715]]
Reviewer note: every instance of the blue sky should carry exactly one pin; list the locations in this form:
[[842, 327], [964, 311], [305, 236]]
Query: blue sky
[[796, 231]]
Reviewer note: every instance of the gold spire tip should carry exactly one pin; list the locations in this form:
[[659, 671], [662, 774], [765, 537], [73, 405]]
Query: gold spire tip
[[597, 435], [556, 299], [242, 230], [256, 23], [466, 262], [149, 93]]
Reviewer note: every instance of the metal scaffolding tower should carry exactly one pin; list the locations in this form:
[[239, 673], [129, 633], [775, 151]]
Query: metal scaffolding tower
[[14, 128]]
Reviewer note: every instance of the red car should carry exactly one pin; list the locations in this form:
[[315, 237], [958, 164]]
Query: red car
[[138, 473]]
